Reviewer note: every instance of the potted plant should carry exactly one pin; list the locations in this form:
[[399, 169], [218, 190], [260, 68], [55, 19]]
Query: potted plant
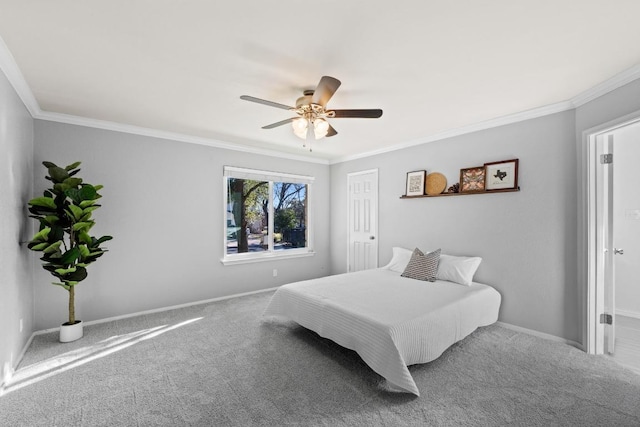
[[65, 216]]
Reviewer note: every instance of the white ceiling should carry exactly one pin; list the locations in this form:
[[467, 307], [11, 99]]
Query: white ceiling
[[432, 66]]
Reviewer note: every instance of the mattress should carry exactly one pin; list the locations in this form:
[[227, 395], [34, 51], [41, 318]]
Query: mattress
[[391, 321]]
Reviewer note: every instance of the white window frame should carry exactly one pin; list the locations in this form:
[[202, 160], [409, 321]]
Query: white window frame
[[269, 253]]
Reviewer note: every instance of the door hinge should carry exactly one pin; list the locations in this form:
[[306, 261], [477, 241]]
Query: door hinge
[[607, 319], [606, 159]]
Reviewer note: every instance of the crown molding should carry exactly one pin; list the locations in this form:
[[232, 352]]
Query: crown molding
[[10, 68], [172, 136], [15, 77], [609, 85], [487, 124], [588, 95]]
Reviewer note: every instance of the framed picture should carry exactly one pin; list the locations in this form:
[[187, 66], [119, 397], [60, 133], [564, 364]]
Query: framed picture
[[415, 183], [501, 175], [472, 179]]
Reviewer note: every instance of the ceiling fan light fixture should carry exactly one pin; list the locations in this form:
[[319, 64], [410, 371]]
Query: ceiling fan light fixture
[[320, 128], [300, 126], [313, 113]]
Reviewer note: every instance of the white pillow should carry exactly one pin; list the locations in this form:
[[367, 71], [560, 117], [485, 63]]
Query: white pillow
[[399, 260], [458, 269]]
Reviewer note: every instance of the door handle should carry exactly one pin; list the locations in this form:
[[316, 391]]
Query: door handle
[[372, 237], [618, 251]]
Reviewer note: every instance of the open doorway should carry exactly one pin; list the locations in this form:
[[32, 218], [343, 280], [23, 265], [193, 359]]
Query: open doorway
[[613, 295]]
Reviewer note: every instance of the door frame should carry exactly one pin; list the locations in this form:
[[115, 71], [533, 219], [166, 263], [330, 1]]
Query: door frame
[[377, 179], [593, 331]]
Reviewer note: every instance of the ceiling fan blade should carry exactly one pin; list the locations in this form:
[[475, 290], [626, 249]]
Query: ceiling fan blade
[[262, 101], [280, 123], [331, 132], [364, 114], [325, 90]]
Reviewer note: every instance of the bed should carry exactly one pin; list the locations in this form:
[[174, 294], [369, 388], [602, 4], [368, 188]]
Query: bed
[[389, 320]]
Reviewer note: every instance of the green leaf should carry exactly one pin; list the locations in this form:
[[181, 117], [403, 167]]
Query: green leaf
[[76, 211], [85, 238], [73, 182], [76, 276], [49, 165], [58, 174], [53, 258], [50, 219], [90, 209], [86, 217], [63, 271], [102, 240], [86, 203], [38, 246], [73, 194], [88, 192], [84, 251], [57, 233], [73, 166], [67, 287], [42, 235], [53, 247], [70, 256], [46, 202], [98, 187], [61, 188], [84, 226]]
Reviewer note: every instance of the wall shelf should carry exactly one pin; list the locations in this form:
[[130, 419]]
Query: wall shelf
[[510, 190]]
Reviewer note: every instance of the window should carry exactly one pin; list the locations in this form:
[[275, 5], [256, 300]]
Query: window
[[267, 215]]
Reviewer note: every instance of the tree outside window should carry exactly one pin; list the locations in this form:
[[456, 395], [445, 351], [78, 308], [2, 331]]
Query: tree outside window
[[265, 215]]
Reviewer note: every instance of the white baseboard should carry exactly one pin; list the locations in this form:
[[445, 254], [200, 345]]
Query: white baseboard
[[542, 335], [158, 310], [627, 313], [6, 376]]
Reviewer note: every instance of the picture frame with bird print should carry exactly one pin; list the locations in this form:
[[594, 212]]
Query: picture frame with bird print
[[472, 180]]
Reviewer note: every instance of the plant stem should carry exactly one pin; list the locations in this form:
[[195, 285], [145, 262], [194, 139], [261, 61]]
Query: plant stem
[[72, 310]]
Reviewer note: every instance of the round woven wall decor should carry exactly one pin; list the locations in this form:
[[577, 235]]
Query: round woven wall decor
[[436, 183]]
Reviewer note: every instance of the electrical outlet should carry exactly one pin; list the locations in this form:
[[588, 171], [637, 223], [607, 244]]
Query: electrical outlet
[[21, 325], [275, 272]]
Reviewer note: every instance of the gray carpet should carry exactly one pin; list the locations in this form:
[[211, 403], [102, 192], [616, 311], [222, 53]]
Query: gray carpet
[[228, 368]]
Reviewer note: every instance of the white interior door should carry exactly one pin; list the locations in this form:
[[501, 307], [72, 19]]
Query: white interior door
[[363, 220]]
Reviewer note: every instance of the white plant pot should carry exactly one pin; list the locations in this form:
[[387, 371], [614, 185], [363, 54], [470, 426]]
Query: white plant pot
[[70, 333]]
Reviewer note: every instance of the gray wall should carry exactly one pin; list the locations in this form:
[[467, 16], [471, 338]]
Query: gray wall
[[527, 239], [16, 175], [163, 203]]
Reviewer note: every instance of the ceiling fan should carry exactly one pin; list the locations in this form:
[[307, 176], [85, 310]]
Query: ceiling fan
[[312, 112]]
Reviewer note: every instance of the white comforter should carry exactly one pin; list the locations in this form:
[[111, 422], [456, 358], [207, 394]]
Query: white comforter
[[389, 320]]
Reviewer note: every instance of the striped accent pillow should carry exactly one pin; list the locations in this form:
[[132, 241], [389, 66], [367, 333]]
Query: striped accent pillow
[[422, 266]]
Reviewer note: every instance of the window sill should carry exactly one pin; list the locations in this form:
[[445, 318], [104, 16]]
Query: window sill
[[239, 259]]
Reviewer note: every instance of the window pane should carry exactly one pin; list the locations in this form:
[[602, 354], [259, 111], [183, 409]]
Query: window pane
[[247, 215], [290, 215]]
